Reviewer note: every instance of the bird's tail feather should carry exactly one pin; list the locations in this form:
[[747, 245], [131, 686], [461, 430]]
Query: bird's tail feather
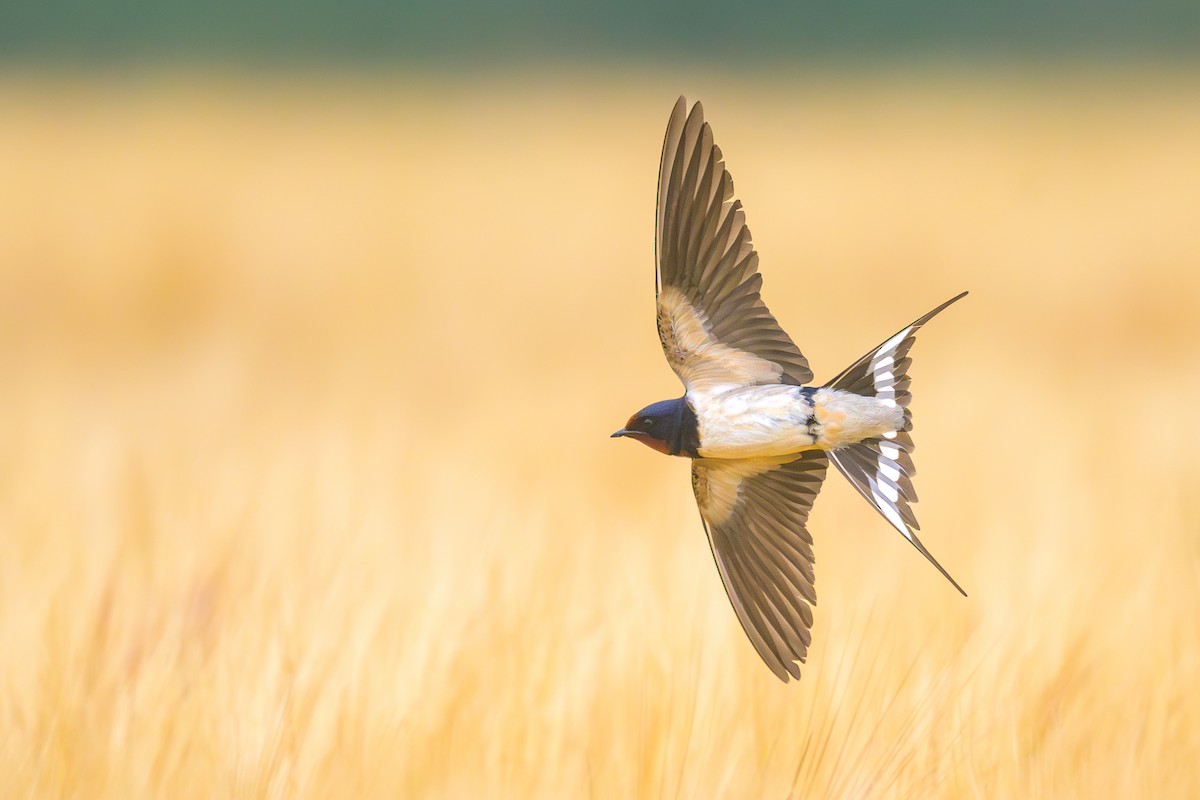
[[881, 469]]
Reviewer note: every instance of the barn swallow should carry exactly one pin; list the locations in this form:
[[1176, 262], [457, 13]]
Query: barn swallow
[[759, 436]]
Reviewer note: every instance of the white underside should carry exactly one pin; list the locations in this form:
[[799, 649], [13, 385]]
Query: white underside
[[845, 418], [765, 421]]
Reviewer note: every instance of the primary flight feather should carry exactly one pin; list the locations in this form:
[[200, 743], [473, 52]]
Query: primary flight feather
[[760, 439]]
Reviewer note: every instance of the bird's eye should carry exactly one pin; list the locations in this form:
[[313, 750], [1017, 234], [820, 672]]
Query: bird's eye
[[647, 423]]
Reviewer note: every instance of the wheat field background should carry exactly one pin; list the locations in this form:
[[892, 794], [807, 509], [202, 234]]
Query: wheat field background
[[306, 486]]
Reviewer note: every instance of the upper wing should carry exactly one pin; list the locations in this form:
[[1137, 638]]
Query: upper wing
[[714, 326], [755, 513]]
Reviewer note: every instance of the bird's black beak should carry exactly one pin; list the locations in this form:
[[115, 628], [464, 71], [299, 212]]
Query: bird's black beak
[[620, 433]]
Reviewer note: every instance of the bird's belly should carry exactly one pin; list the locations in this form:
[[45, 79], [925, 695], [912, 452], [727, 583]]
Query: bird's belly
[[754, 422], [843, 418]]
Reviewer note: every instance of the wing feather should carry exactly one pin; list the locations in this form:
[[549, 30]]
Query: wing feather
[[755, 513], [715, 328]]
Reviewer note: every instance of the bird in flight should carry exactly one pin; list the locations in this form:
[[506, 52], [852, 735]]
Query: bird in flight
[[759, 436]]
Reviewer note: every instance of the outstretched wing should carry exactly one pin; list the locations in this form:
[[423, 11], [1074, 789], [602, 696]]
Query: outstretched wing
[[755, 512], [715, 329]]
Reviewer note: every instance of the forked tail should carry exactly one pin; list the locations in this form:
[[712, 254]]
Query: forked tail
[[881, 469]]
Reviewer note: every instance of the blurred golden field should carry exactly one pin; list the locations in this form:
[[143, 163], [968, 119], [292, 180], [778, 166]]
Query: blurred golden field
[[306, 486]]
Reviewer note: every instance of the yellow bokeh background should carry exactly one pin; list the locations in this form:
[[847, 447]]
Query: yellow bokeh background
[[306, 486]]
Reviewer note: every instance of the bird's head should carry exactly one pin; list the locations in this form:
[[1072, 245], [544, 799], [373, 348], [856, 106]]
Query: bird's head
[[668, 426]]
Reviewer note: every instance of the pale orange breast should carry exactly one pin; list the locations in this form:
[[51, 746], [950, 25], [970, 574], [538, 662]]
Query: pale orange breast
[[845, 418]]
